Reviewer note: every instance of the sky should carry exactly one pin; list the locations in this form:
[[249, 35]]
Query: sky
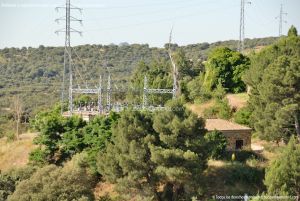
[[30, 23]]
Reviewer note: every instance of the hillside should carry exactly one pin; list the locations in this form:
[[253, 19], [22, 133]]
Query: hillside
[[36, 73]]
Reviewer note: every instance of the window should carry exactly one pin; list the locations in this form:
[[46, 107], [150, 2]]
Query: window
[[239, 144]]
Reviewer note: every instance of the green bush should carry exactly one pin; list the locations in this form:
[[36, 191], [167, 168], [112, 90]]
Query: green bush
[[239, 172], [221, 110], [56, 183], [9, 180], [216, 143], [242, 116]]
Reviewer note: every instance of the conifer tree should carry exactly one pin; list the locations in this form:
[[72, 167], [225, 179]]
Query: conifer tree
[[275, 87], [282, 177]]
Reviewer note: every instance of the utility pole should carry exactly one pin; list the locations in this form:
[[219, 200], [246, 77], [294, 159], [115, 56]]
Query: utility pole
[[68, 50], [281, 20], [100, 108], [108, 98], [175, 72], [242, 25]]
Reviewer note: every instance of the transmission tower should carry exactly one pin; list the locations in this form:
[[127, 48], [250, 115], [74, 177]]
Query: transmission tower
[[281, 20], [68, 50], [242, 25]]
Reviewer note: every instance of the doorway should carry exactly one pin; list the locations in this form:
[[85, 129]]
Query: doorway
[[239, 144]]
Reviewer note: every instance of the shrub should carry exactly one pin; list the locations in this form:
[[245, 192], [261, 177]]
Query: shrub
[[216, 142], [242, 116], [239, 172], [56, 183], [221, 109], [10, 179]]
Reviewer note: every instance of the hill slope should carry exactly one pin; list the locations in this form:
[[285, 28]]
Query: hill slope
[[36, 73]]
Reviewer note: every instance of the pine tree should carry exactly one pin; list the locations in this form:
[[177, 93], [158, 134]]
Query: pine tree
[[282, 177], [166, 150], [275, 87]]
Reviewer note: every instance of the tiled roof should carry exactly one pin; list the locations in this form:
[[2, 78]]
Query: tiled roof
[[222, 125]]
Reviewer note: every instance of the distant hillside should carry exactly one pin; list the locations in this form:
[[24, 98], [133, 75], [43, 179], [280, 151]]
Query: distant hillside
[[36, 73]]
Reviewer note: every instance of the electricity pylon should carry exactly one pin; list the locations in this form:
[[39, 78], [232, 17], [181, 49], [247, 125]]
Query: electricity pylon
[[68, 50]]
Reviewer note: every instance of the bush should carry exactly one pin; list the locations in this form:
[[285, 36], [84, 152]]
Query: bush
[[10, 179], [240, 172], [242, 116], [216, 142], [56, 183], [221, 109]]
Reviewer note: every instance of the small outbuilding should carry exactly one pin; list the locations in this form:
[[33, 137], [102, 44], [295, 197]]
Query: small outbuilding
[[238, 136]]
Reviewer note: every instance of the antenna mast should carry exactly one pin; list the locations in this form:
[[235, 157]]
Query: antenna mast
[[68, 50]]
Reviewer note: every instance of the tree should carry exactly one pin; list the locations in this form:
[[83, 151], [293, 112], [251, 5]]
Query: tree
[[61, 138], [227, 67], [216, 143], [282, 177], [180, 158], [274, 79], [166, 150], [292, 31], [17, 109], [126, 160]]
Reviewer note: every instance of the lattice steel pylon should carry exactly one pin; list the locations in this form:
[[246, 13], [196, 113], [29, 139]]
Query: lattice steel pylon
[[68, 51], [281, 20], [242, 25]]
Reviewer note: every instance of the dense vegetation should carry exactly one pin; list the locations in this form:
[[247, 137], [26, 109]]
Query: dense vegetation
[[162, 155], [275, 87]]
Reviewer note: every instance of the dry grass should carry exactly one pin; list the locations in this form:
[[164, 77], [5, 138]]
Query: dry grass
[[15, 154], [104, 188], [237, 100], [200, 108]]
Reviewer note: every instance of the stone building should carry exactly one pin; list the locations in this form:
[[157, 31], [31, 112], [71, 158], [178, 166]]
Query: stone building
[[238, 136]]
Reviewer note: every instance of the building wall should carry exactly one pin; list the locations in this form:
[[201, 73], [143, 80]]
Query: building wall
[[234, 135]]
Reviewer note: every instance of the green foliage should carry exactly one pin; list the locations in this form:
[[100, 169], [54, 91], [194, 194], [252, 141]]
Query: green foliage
[[240, 172], [216, 143], [220, 109], [274, 79], [196, 91], [283, 174], [226, 67], [147, 152], [9, 180], [61, 138], [242, 116], [292, 32], [55, 183]]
